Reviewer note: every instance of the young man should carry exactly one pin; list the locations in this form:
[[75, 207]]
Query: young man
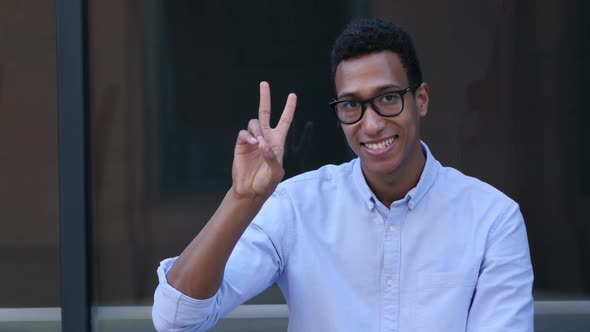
[[390, 241]]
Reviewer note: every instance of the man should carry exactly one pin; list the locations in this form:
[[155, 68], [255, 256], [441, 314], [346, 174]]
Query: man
[[390, 241]]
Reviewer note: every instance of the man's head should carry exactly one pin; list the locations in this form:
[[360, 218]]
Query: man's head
[[366, 36], [380, 98]]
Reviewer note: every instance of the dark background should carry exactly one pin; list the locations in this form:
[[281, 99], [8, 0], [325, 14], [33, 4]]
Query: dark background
[[172, 82]]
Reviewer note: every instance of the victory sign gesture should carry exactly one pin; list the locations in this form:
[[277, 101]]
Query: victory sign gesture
[[258, 155], [257, 170]]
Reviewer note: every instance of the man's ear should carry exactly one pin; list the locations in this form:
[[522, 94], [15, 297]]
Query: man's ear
[[421, 96]]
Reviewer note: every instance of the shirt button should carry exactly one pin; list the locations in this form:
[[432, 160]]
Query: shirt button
[[392, 228], [389, 282]]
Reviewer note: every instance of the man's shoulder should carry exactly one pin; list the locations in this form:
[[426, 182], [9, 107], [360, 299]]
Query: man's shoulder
[[459, 184]]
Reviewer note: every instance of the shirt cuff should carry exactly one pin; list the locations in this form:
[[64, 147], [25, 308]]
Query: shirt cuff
[[177, 309]]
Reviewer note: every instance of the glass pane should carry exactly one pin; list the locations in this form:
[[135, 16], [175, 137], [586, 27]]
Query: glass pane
[[173, 82], [158, 102], [508, 107], [29, 209]]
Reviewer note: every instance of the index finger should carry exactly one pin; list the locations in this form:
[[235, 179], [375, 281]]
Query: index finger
[[264, 106], [288, 112]]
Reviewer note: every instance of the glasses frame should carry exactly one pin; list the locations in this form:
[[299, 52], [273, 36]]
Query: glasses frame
[[371, 101]]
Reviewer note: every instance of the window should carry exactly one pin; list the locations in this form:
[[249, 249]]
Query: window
[[29, 194], [507, 107]]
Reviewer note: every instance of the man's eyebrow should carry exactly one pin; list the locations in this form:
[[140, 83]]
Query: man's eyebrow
[[379, 90]]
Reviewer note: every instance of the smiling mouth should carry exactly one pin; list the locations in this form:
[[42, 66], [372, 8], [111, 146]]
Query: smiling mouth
[[379, 145]]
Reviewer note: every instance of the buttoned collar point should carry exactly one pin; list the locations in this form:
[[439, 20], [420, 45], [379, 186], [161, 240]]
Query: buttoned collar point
[[365, 192]]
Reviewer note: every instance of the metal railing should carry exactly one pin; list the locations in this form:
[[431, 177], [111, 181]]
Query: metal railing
[[248, 311]]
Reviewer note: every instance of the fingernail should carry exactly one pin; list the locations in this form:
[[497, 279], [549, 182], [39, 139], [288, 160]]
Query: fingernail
[[252, 140]]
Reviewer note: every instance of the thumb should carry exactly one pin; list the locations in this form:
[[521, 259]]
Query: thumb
[[271, 159]]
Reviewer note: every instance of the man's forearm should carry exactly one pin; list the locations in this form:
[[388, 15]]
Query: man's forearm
[[198, 272]]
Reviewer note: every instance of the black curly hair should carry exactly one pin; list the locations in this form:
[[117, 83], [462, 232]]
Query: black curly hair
[[365, 36]]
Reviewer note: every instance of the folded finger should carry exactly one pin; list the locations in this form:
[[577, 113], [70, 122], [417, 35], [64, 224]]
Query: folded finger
[[245, 137], [255, 128]]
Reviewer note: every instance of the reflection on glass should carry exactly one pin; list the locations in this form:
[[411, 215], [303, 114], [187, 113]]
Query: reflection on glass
[[29, 195], [171, 86], [166, 112]]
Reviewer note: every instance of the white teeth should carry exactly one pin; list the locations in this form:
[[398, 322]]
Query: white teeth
[[381, 145]]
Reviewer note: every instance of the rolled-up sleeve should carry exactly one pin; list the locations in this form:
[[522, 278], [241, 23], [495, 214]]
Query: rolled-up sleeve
[[174, 311], [255, 264]]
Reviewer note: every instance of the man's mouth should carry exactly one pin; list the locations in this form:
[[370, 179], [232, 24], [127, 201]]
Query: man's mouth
[[380, 145]]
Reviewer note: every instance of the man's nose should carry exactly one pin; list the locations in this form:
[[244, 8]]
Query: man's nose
[[372, 121]]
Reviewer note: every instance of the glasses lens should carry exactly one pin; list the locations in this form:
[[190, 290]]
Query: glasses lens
[[389, 104], [348, 111]]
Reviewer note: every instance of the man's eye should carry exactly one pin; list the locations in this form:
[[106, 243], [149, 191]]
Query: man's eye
[[389, 98], [352, 104]]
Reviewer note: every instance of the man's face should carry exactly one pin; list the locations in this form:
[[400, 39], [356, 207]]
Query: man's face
[[385, 145]]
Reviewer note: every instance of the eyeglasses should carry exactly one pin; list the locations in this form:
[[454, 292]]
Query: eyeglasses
[[386, 104]]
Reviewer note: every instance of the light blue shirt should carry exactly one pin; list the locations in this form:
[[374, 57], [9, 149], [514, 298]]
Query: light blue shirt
[[452, 255]]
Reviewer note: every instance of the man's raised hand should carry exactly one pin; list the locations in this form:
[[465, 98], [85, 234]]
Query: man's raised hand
[[258, 155]]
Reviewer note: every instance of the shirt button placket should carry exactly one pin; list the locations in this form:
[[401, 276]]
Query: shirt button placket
[[391, 269]]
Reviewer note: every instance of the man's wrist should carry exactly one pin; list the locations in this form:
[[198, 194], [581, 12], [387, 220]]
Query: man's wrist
[[247, 198]]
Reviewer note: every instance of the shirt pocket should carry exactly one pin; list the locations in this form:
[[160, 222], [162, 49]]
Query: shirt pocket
[[443, 299]]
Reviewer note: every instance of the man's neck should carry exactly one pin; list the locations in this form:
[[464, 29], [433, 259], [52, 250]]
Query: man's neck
[[394, 186]]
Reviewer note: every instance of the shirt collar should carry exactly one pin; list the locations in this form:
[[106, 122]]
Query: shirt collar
[[359, 179], [414, 196], [427, 178]]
